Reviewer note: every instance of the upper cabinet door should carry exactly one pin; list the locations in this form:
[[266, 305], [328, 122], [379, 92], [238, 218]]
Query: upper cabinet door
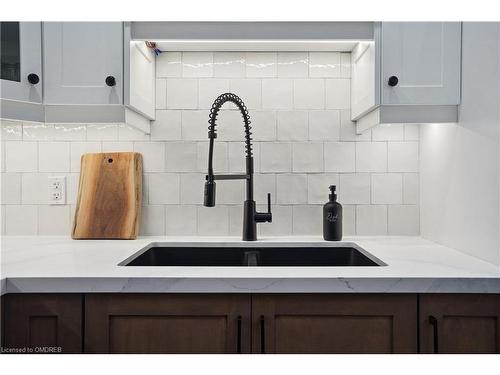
[[21, 61], [423, 59], [83, 62]]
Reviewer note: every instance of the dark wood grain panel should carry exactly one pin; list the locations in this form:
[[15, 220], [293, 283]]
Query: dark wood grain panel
[[167, 323], [464, 323], [43, 322], [319, 323]]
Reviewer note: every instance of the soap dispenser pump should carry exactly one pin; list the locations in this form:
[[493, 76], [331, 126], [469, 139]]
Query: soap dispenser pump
[[332, 217]]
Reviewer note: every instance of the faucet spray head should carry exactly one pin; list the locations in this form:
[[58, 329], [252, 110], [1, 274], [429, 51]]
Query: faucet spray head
[[209, 193]]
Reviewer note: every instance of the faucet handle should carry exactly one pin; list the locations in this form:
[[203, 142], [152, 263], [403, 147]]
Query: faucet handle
[[268, 203]]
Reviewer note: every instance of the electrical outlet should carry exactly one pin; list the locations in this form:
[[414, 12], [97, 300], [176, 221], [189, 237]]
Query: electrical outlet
[[57, 189]]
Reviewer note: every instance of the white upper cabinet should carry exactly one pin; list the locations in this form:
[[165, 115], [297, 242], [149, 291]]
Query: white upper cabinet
[[21, 61], [83, 62], [421, 63]]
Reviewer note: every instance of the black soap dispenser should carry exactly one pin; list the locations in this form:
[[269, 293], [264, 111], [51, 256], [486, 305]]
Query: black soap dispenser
[[332, 217]]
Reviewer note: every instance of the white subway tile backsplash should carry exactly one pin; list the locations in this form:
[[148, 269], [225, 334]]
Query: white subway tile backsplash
[[348, 220], [387, 188], [195, 125], [292, 126], [229, 64], [11, 130], [191, 188], [371, 157], [404, 220], [169, 64], [36, 131], [53, 157], [309, 94], [411, 187], [182, 93], [213, 221], [53, 220], [117, 146], [291, 188], [318, 187], [197, 64], [70, 132], [161, 94], [371, 220], [293, 64], [152, 220], [102, 132], [307, 157], [181, 157], [181, 220], [249, 90], [277, 93], [166, 126], [307, 220], [403, 156], [261, 64], [338, 93], [303, 142], [11, 188], [164, 188], [354, 188], [153, 155], [281, 224], [388, 132], [324, 125], [275, 157], [324, 64], [412, 132], [210, 89], [340, 156], [21, 220]]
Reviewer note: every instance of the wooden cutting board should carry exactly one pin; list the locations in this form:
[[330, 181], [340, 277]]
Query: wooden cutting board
[[109, 196]]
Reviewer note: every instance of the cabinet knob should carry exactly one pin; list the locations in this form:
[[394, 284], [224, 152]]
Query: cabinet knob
[[33, 78], [110, 81], [393, 81]]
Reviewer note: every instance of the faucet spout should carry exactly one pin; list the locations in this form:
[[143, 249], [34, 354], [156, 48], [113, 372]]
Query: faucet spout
[[250, 215]]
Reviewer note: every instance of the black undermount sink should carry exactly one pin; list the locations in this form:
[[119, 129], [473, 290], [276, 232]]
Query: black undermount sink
[[216, 255]]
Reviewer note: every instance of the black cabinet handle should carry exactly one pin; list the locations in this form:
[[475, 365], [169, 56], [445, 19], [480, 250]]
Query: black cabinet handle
[[238, 334], [110, 81], [262, 335], [33, 78], [433, 321], [393, 81]]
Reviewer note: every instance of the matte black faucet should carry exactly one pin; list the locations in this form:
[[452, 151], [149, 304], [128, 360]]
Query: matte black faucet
[[250, 214]]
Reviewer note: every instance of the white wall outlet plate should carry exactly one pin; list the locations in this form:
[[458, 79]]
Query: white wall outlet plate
[[57, 189]]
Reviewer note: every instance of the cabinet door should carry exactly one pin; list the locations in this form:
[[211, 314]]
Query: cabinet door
[[21, 55], [167, 323], [78, 57], [334, 324], [43, 323], [425, 57], [467, 323]]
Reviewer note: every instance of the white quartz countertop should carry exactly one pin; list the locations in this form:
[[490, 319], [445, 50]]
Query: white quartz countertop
[[414, 265]]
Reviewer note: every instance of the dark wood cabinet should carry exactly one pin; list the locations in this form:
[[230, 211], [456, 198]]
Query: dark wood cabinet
[[459, 323], [334, 323], [42, 323], [167, 323]]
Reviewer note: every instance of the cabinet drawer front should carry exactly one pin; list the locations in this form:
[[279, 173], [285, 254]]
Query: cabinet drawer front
[[334, 323]]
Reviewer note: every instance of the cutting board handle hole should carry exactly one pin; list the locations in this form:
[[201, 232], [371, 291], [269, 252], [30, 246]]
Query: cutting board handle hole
[[110, 160]]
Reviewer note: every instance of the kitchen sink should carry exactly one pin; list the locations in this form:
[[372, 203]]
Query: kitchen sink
[[342, 254]]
